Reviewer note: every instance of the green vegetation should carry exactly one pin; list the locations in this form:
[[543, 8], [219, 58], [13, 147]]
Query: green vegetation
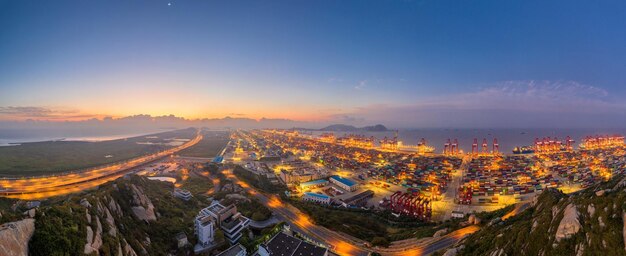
[[250, 208], [267, 233], [61, 231], [198, 186], [381, 229], [259, 182], [60, 156], [210, 145], [533, 232]]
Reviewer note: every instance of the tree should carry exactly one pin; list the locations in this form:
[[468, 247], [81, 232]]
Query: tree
[[380, 241]]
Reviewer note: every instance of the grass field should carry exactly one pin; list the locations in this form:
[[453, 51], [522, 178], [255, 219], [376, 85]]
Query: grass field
[[211, 144], [60, 156]]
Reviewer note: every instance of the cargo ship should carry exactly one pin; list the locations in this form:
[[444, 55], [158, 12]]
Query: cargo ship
[[523, 150]]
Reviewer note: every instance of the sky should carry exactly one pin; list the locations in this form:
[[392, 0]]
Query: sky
[[401, 63]]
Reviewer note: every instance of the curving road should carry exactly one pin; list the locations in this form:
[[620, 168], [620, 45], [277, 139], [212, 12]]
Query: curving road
[[47, 186], [343, 244]]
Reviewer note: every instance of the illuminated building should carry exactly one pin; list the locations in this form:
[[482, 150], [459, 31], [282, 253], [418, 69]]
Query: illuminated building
[[314, 197], [313, 183], [346, 184]]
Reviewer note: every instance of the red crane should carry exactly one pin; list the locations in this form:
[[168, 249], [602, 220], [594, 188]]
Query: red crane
[[475, 146], [496, 146], [485, 148]]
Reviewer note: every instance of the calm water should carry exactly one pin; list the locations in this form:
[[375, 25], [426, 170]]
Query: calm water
[[507, 138], [9, 137]]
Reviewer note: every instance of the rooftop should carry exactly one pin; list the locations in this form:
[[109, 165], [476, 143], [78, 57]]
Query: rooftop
[[313, 183], [345, 181], [359, 196], [181, 236], [233, 250], [282, 244], [233, 221], [285, 245], [316, 195], [205, 220]]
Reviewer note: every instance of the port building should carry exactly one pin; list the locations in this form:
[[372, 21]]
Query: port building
[[315, 197], [344, 183], [359, 199], [313, 184]]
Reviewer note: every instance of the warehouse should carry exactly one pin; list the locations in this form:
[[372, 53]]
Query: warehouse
[[346, 184], [313, 184], [314, 197]]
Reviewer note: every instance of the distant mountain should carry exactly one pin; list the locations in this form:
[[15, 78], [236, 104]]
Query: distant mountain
[[350, 128]]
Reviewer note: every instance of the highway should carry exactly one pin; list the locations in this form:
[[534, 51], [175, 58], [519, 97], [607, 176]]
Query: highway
[[32, 188], [343, 244]]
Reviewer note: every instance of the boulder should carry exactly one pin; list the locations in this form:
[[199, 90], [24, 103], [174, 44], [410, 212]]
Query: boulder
[[14, 237], [591, 210], [451, 252], [624, 228], [473, 220], [85, 203], [440, 232], [569, 224]]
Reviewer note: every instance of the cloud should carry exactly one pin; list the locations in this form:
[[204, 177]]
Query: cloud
[[40, 113], [345, 119], [361, 85], [507, 104]]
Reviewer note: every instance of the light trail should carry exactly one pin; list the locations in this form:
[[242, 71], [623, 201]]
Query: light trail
[[43, 187]]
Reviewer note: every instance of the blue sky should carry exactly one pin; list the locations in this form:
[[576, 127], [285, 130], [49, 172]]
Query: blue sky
[[358, 61]]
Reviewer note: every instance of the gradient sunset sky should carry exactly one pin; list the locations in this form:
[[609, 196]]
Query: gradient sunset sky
[[405, 63]]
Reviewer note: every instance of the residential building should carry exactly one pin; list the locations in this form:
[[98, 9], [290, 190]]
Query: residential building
[[181, 239], [235, 250], [228, 219], [205, 229], [182, 194]]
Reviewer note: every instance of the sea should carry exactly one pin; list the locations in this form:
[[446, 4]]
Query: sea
[[507, 138], [13, 137]]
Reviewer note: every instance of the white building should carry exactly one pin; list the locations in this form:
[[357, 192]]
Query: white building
[[228, 219], [205, 229], [182, 194], [317, 198], [235, 250]]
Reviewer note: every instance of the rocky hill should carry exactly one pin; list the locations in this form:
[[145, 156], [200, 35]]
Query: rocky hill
[[589, 222], [14, 237], [130, 216]]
